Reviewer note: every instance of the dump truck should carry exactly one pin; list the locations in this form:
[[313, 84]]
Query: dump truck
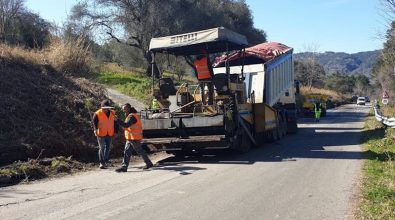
[[254, 97]]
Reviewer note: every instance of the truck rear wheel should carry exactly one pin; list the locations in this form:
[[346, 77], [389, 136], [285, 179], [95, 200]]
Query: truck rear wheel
[[272, 135], [292, 127], [283, 126]]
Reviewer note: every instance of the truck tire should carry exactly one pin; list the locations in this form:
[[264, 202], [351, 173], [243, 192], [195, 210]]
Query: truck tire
[[284, 127], [272, 135], [292, 128], [280, 132]]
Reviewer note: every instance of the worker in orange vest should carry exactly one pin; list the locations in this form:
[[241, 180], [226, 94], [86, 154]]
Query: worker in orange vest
[[204, 73], [133, 135], [105, 126]]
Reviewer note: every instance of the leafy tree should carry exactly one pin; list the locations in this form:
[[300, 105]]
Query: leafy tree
[[135, 22], [32, 30], [362, 85], [384, 70], [20, 26], [341, 83], [359, 85]]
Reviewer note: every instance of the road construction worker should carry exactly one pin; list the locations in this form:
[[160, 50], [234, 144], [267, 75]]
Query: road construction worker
[[133, 135], [204, 74], [317, 111], [105, 127], [155, 106], [159, 104]]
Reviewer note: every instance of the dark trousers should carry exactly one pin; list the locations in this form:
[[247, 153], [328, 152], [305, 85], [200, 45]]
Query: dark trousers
[[104, 148], [136, 145]]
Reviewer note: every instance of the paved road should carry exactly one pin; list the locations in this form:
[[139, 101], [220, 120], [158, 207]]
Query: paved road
[[121, 99], [310, 175]]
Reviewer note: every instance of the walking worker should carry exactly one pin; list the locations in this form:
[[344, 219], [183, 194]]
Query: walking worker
[[104, 121], [317, 111], [133, 135]]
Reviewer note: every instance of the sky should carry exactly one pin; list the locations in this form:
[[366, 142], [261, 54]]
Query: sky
[[306, 25], [323, 25]]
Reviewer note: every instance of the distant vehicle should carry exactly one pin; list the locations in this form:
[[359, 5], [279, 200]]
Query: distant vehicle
[[367, 99], [354, 98], [361, 101]]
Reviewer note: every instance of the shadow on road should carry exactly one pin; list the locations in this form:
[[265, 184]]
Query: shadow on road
[[310, 143]]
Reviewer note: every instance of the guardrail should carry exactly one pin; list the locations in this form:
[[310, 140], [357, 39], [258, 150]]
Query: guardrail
[[390, 122]]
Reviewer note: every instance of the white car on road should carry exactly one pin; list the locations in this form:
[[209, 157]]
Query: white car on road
[[361, 101]]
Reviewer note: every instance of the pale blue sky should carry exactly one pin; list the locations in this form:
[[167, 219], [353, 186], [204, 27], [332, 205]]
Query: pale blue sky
[[330, 25], [326, 25]]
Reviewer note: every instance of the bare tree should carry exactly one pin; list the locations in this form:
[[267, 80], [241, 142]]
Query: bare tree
[[313, 71], [389, 8], [9, 9], [388, 56]]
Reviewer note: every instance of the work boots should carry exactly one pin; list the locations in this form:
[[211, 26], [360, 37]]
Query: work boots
[[121, 170], [147, 166]]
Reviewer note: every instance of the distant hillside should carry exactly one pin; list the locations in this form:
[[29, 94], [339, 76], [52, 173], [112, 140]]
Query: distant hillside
[[350, 64]]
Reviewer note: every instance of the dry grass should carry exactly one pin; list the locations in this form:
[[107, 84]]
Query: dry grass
[[388, 110], [35, 169], [71, 58], [43, 107], [21, 55], [337, 97]]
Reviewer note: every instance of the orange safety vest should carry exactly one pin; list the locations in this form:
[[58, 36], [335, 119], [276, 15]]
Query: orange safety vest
[[106, 124], [202, 69], [135, 131]]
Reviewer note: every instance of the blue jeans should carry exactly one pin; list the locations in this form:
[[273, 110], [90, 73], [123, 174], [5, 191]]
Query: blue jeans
[[104, 148], [136, 145]]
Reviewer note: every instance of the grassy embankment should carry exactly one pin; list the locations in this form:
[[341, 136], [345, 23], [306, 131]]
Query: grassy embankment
[[46, 110], [132, 82], [378, 183]]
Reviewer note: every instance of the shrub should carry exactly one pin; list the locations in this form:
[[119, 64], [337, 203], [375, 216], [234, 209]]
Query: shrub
[[70, 57]]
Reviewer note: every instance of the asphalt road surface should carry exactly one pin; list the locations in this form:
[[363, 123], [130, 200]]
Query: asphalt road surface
[[310, 175], [121, 99]]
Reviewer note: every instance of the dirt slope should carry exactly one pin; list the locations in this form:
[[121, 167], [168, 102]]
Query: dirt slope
[[44, 110]]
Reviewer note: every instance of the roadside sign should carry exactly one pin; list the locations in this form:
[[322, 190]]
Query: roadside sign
[[384, 101], [385, 95]]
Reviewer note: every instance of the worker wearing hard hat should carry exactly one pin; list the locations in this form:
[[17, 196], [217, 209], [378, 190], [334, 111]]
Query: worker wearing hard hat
[[105, 126]]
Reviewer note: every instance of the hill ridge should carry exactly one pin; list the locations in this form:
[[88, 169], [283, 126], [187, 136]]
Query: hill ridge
[[360, 63]]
